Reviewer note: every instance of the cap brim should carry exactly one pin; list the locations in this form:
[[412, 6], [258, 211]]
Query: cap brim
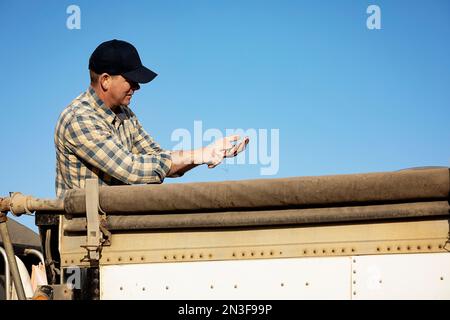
[[140, 75]]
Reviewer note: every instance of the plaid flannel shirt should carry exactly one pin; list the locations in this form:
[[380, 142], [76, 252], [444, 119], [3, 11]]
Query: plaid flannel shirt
[[93, 141]]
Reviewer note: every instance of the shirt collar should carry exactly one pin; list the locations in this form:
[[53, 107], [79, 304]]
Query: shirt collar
[[100, 106], [106, 112]]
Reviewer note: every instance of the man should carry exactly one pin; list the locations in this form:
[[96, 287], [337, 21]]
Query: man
[[98, 135]]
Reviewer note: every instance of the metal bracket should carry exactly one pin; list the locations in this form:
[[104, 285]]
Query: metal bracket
[[95, 223]]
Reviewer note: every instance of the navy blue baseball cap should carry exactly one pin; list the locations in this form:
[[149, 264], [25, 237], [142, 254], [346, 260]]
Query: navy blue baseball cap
[[117, 57]]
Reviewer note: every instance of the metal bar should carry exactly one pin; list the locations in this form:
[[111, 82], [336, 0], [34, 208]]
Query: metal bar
[[269, 194], [7, 274], [268, 217], [11, 258], [36, 253]]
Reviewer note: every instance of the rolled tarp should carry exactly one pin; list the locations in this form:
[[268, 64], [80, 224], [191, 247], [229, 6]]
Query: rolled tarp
[[267, 218], [269, 194]]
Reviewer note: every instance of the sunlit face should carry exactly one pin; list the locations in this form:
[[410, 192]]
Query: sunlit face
[[121, 90]]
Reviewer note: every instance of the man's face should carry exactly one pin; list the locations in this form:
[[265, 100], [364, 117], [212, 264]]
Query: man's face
[[121, 90]]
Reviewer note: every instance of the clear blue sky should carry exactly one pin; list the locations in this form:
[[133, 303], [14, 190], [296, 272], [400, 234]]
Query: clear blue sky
[[345, 99]]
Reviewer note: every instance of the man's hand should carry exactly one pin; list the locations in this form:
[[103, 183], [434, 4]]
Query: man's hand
[[213, 154]]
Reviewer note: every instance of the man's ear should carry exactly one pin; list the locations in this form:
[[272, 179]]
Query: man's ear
[[105, 81]]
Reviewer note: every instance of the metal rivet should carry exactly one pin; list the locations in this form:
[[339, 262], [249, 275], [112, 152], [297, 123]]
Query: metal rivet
[[234, 254], [440, 246], [418, 247], [131, 258], [142, 258], [271, 253], [200, 256], [354, 282], [107, 259], [71, 261], [281, 252], [381, 281], [354, 271], [399, 248], [323, 251], [182, 256], [167, 287], [120, 259], [353, 250], [212, 287], [165, 257], [282, 284], [304, 251], [354, 260], [192, 256], [354, 293], [314, 251], [343, 250], [429, 247], [332, 250], [143, 289], [378, 249], [243, 254], [252, 254], [235, 286], [408, 248], [262, 253], [65, 261], [307, 284], [121, 288], [174, 257], [210, 255], [442, 278], [388, 248]]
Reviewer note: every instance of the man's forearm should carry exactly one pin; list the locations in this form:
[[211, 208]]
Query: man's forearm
[[183, 161]]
